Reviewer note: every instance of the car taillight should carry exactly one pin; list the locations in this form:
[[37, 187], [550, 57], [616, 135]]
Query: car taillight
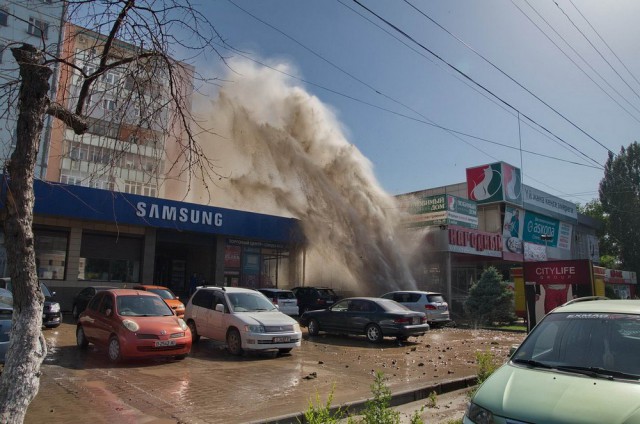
[[321, 302], [430, 307], [402, 320], [424, 320], [274, 301]]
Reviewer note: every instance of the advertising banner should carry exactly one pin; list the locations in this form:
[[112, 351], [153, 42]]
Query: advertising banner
[[558, 272], [536, 198], [537, 225], [512, 244], [565, 230], [441, 209], [474, 242], [616, 276], [495, 182]]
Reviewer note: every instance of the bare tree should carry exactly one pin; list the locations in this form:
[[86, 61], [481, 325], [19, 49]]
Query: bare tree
[[136, 40]]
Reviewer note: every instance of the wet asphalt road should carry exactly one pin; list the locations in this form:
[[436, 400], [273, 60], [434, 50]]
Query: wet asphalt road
[[212, 386]]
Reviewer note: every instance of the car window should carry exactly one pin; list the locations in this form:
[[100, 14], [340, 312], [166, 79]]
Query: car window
[[6, 298], [163, 293], [392, 306], [286, 295], [249, 302], [148, 306], [45, 290], [203, 298], [326, 293], [85, 292], [106, 304], [341, 306], [95, 302], [435, 298], [388, 296], [358, 305], [218, 299]]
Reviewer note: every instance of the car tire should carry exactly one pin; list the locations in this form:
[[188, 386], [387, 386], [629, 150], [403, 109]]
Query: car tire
[[284, 351], [81, 339], [313, 327], [195, 337], [373, 333], [52, 326], [75, 313], [402, 338], [234, 342], [113, 349]]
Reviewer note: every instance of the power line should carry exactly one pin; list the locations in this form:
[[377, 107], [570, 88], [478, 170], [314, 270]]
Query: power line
[[490, 63]]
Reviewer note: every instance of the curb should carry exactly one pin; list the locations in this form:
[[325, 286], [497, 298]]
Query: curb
[[399, 398]]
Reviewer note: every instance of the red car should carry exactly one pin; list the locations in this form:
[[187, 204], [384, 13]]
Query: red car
[[132, 323]]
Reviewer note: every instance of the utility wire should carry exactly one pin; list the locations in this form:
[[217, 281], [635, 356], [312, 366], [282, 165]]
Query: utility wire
[[580, 56], [596, 49], [605, 43], [486, 60]]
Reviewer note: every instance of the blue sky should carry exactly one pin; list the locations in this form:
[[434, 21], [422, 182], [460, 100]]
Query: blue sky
[[385, 91]]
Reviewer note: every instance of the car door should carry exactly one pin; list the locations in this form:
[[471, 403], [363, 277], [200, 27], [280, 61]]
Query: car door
[[84, 297], [334, 318], [201, 306], [219, 321], [88, 319], [103, 324], [359, 315]]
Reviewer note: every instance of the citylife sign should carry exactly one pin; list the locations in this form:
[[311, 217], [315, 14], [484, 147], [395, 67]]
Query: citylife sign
[[474, 242], [558, 272]]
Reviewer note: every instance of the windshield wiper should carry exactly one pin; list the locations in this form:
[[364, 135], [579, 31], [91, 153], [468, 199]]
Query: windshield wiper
[[598, 372], [532, 363]]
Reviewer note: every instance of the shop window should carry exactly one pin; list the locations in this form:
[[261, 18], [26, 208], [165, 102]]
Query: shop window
[[105, 257], [117, 270], [51, 254]]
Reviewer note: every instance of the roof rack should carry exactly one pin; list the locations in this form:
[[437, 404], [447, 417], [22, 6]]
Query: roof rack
[[585, 299]]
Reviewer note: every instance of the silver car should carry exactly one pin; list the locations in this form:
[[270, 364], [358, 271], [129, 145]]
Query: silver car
[[431, 303], [285, 300]]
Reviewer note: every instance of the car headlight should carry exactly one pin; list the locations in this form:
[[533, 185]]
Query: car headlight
[[296, 328], [478, 414], [254, 329], [130, 325], [54, 307], [182, 324]]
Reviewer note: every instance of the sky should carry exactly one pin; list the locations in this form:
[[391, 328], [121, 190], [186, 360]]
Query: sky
[[500, 88]]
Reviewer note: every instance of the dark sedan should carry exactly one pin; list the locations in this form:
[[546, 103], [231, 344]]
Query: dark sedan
[[82, 299], [374, 317]]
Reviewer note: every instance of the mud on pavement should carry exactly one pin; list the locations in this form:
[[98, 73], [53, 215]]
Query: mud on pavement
[[211, 386]]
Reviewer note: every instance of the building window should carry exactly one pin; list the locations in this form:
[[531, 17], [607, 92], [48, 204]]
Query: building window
[[105, 257], [51, 253], [38, 28], [109, 104], [2, 48], [4, 17]]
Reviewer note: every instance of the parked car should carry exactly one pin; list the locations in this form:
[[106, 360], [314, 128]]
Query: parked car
[[579, 364], [285, 300], [243, 318], [132, 323], [83, 297], [313, 298], [51, 314], [6, 312], [374, 317], [431, 303], [172, 300]]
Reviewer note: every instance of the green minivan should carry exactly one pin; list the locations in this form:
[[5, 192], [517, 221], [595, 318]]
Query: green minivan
[[580, 364]]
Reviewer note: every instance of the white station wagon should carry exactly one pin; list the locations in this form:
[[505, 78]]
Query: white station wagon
[[243, 318]]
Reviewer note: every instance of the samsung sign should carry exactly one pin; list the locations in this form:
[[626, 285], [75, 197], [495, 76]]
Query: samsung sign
[[75, 202]]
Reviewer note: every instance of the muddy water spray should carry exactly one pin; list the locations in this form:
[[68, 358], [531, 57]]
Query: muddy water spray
[[285, 153]]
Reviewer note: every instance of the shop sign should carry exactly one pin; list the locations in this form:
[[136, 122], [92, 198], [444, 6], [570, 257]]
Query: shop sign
[[540, 199], [512, 244], [232, 256], [558, 272], [496, 182], [616, 276], [474, 242], [442, 209], [536, 226]]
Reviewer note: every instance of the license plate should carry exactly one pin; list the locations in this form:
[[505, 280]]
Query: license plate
[[281, 339], [416, 320], [442, 308], [163, 343]]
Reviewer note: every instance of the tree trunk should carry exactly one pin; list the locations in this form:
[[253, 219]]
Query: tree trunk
[[27, 348]]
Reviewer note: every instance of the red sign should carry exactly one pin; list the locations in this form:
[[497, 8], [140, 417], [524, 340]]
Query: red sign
[[232, 256], [558, 272], [465, 240]]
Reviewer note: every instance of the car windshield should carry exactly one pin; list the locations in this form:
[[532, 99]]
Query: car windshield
[[285, 295], [142, 306], [249, 302], [163, 293], [603, 343], [326, 293], [435, 298]]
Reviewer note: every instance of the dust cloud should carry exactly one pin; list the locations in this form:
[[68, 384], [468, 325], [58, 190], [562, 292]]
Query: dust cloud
[[283, 152]]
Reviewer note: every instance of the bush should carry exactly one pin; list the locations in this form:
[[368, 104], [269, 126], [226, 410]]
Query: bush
[[490, 300]]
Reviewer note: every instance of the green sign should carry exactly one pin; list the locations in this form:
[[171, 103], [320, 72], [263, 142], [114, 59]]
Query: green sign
[[442, 209]]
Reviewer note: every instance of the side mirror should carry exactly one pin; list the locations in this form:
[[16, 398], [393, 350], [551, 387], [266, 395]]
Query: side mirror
[[220, 307], [53, 294], [178, 297]]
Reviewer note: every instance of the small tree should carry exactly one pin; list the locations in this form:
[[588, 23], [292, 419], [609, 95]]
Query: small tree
[[490, 299]]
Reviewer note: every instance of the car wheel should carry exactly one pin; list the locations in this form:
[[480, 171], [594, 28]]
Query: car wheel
[[234, 342], [180, 357], [195, 337], [374, 333], [313, 327], [81, 339], [114, 349], [402, 338], [75, 313], [283, 351]]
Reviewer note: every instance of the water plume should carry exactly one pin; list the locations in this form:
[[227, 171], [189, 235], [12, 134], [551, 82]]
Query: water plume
[[285, 153]]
